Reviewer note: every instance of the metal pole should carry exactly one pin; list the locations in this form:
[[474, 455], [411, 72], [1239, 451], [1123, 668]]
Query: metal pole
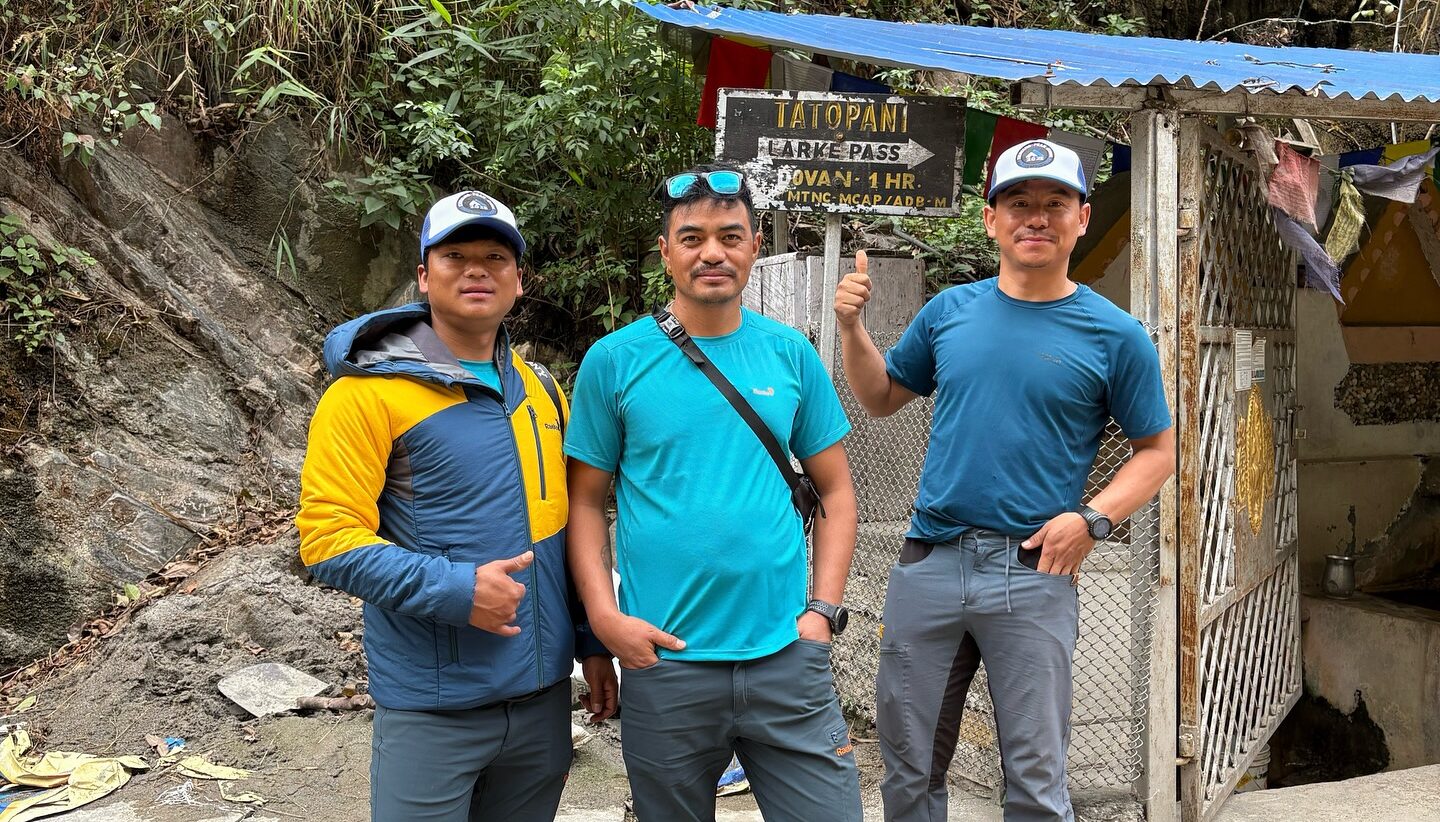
[[1154, 252], [1394, 47], [827, 292]]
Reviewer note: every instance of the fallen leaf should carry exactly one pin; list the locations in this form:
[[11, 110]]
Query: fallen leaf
[[158, 744], [179, 570], [240, 796], [202, 768], [25, 704]]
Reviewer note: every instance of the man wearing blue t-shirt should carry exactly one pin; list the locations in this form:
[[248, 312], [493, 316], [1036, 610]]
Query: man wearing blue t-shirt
[[1026, 369], [723, 648]]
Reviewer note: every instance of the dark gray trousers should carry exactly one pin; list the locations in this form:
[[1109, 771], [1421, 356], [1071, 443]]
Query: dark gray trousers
[[948, 606], [778, 714], [507, 762]]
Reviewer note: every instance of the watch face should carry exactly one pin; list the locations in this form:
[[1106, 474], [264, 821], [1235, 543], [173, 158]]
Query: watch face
[[842, 618], [1101, 528]]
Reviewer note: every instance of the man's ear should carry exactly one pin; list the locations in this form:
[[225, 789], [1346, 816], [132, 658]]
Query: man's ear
[[664, 247], [519, 281], [422, 279], [1084, 218], [987, 215]]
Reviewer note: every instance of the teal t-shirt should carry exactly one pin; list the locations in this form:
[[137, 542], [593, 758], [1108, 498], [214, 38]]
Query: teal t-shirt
[[708, 546], [1023, 391], [484, 371]]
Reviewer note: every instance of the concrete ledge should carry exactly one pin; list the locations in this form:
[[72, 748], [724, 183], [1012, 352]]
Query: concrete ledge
[[1398, 796]]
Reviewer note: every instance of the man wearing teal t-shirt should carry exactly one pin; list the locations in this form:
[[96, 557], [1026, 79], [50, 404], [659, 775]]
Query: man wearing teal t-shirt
[[1026, 370], [724, 650]]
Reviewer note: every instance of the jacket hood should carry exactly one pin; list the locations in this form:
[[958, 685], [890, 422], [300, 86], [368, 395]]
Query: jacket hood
[[399, 341]]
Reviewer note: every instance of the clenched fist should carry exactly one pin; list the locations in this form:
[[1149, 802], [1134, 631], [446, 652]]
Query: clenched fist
[[853, 292]]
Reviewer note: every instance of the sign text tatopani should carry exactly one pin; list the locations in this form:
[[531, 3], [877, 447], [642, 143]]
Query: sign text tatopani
[[818, 151]]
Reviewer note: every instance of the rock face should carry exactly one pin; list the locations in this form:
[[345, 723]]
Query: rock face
[[190, 366]]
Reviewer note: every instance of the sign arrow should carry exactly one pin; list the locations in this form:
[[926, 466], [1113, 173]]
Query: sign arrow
[[908, 154]]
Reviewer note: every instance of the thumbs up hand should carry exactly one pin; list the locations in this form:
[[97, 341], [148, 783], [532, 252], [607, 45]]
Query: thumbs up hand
[[497, 596], [853, 292]]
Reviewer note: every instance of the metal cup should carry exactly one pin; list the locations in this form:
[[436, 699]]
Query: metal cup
[[1339, 576]]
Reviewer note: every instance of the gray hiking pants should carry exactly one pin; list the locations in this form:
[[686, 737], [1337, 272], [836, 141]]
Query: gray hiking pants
[[948, 606], [504, 762], [778, 714]]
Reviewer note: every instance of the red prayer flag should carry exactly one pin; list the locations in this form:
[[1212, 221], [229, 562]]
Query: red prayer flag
[[732, 65], [1294, 184], [1009, 132]]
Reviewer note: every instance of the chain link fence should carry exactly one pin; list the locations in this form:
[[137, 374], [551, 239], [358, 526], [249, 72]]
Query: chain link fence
[[1118, 585]]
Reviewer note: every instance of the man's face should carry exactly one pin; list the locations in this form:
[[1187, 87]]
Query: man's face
[[470, 282], [1036, 223], [708, 250]]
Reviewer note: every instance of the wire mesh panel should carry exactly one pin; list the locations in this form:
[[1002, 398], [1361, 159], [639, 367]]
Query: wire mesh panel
[[1116, 605], [1239, 593]]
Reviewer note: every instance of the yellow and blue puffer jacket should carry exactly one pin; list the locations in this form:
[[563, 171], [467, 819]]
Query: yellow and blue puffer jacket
[[417, 473]]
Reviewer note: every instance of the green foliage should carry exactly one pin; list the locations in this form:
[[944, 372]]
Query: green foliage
[[33, 281], [567, 110], [963, 253], [570, 111]]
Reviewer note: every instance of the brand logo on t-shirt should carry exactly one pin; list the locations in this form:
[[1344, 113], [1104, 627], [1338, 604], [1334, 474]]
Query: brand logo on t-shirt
[[767, 391], [1051, 358]]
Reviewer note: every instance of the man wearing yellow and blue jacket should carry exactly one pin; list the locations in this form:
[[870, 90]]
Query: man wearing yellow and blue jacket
[[434, 490]]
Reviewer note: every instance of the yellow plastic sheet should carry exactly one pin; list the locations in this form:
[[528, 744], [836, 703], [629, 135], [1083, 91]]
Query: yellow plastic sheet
[[201, 768], [19, 765], [89, 781]]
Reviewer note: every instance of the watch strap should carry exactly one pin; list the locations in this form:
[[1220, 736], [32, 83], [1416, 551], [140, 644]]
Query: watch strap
[[823, 608]]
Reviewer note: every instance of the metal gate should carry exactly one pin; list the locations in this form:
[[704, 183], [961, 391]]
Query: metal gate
[[1239, 596]]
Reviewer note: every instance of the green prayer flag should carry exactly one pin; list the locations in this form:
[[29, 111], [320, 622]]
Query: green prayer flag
[[979, 131]]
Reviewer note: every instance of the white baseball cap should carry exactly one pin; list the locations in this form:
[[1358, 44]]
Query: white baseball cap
[[468, 208], [1037, 160]]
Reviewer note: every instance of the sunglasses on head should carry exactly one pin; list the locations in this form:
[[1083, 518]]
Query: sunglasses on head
[[720, 182]]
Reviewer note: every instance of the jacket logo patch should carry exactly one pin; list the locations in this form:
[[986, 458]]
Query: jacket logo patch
[[845, 749], [553, 426], [767, 391]]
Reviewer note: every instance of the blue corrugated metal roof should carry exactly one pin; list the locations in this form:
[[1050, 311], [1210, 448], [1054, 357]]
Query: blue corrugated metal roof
[[1060, 57]]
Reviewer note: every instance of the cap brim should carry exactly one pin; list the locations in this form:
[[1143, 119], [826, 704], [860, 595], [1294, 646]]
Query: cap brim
[[1070, 184], [491, 222]]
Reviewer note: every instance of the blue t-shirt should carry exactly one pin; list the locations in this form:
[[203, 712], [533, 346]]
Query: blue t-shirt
[[1023, 391], [708, 545], [484, 371]]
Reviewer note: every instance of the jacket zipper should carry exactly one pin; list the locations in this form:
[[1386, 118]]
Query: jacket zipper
[[539, 452], [534, 575], [454, 634]]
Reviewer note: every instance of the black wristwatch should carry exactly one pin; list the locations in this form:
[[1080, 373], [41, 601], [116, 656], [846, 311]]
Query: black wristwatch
[[1099, 525], [838, 615]]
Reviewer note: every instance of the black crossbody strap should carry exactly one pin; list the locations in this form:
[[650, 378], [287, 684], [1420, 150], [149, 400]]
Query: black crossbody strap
[[676, 332]]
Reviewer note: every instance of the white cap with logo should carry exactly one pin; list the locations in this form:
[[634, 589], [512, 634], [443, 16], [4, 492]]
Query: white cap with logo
[[1037, 160], [468, 208]]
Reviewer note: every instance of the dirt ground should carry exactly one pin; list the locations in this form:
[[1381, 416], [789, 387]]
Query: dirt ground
[[157, 673]]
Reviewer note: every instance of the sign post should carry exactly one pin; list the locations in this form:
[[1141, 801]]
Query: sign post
[[844, 154]]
